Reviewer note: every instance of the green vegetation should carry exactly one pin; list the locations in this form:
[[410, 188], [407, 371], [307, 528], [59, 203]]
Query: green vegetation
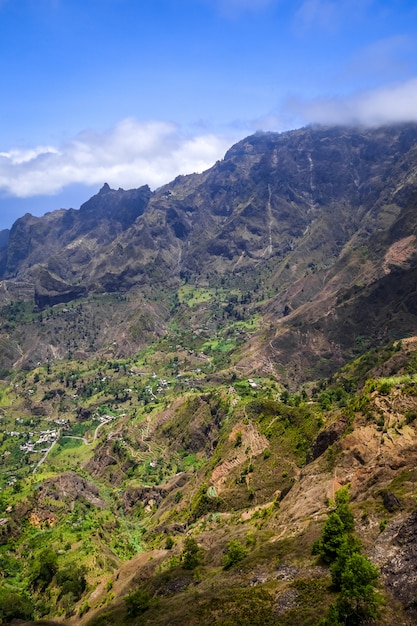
[[176, 453], [168, 453], [235, 552], [14, 605], [192, 555], [137, 602], [354, 577]]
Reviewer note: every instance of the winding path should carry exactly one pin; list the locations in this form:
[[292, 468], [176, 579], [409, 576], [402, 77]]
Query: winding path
[[59, 435], [42, 460]]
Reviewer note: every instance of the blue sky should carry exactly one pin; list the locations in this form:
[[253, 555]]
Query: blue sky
[[138, 91]]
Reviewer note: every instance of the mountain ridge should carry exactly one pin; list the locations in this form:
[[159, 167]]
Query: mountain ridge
[[308, 219]]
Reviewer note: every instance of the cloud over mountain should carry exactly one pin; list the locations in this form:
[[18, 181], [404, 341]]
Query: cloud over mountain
[[129, 155], [384, 105]]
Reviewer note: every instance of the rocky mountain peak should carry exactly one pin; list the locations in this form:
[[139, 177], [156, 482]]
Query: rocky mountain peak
[[105, 189], [311, 215]]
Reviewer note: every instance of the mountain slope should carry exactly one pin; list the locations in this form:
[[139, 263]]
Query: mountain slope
[[179, 405], [300, 226], [142, 469]]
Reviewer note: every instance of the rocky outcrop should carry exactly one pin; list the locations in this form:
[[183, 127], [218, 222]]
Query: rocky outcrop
[[390, 501], [49, 290], [327, 438], [147, 496], [69, 486], [400, 572]]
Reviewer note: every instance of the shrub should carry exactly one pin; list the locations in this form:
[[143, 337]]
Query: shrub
[[410, 416], [332, 537], [343, 509], [358, 602], [14, 606], [84, 609], [353, 575], [137, 602], [71, 580], [43, 569], [235, 552], [384, 388], [382, 525], [191, 555], [238, 438], [349, 546]]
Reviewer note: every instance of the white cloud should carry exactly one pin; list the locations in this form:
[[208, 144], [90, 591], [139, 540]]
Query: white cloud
[[129, 155], [134, 153], [16, 156], [385, 105]]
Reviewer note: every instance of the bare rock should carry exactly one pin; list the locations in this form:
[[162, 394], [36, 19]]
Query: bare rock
[[391, 502], [327, 437], [71, 486], [286, 601], [400, 572]]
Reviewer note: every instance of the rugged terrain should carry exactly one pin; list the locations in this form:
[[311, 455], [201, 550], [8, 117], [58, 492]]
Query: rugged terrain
[[313, 229], [191, 376]]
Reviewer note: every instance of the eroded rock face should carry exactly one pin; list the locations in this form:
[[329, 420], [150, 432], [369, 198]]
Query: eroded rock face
[[259, 203], [327, 437], [391, 502], [147, 496], [400, 572], [49, 290], [65, 241], [70, 486]]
